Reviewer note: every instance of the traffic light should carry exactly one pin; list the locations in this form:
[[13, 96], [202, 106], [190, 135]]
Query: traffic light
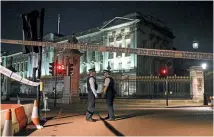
[[70, 69], [60, 69], [51, 68], [163, 72]]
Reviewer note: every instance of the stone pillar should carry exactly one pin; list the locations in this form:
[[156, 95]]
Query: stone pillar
[[67, 88], [75, 78], [197, 85]]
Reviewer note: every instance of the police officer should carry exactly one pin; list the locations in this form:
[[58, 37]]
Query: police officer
[[92, 94], [109, 93]]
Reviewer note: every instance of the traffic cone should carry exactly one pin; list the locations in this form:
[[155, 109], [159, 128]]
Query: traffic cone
[[7, 131], [35, 116]]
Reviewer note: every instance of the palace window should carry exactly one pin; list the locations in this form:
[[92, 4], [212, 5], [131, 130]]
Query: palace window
[[85, 56], [93, 55], [22, 66], [128, 45], [120, 65], [14, 65], [26, 66], [111, 39], [111, 54], [84, 69], [128, 36], [128, 64], [119, 37], [112, 65], [113, 33], [119, 54], [98, 56], [122, 32], [18, 66]]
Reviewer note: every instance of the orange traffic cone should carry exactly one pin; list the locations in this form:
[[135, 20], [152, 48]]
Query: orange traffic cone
[[35, 116], [8, 131]]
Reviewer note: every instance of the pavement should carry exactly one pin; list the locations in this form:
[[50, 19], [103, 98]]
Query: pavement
[[69, 120]]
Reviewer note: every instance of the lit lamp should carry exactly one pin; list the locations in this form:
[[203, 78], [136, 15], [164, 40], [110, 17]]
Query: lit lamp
[[204, 67], [195, 44]]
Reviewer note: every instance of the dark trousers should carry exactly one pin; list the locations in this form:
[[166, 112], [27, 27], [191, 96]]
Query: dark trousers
[[91, 105], [110, 103]]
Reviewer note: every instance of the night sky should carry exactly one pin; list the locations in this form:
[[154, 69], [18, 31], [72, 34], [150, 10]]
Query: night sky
[[188, 20]]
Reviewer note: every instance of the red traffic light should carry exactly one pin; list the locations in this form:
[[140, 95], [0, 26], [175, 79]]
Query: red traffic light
[[59, 67], [164, 71]]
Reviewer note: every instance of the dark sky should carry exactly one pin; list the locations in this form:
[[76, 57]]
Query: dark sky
[[188, 20]]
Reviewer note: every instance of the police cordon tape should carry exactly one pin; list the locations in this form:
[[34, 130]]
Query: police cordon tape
[[138, 51], [16, 77]]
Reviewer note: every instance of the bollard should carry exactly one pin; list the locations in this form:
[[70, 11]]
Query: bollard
[[45, 100], [45, 104], [18, 100]]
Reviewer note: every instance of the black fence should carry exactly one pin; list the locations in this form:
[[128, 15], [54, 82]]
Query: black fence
[[151, 88], [143, 87], [154, 88], [208, 85]]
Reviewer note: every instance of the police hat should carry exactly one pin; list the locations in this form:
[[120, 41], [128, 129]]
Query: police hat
[[92, 70], [106, 71]]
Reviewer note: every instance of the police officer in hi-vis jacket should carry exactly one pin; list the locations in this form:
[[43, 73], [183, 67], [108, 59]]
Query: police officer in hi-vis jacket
[[92, 94], [109, 92]]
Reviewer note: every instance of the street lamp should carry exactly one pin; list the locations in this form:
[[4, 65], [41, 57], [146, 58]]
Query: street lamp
[[195, 44], [204, 67]]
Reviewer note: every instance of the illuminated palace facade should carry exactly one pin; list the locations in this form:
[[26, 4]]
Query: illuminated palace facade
[[131, 31]]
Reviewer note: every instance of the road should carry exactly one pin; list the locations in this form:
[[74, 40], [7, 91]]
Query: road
[[178, 121]]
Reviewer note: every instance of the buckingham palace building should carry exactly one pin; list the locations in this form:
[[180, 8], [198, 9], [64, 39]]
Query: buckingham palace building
[[130, 31]]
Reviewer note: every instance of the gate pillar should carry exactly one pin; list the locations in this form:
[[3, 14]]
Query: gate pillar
[[75, 78], [197, 84]]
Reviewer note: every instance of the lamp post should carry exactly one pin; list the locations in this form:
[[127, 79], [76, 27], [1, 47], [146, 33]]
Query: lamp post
[[195, 45], [56, 69], [204, 67]]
